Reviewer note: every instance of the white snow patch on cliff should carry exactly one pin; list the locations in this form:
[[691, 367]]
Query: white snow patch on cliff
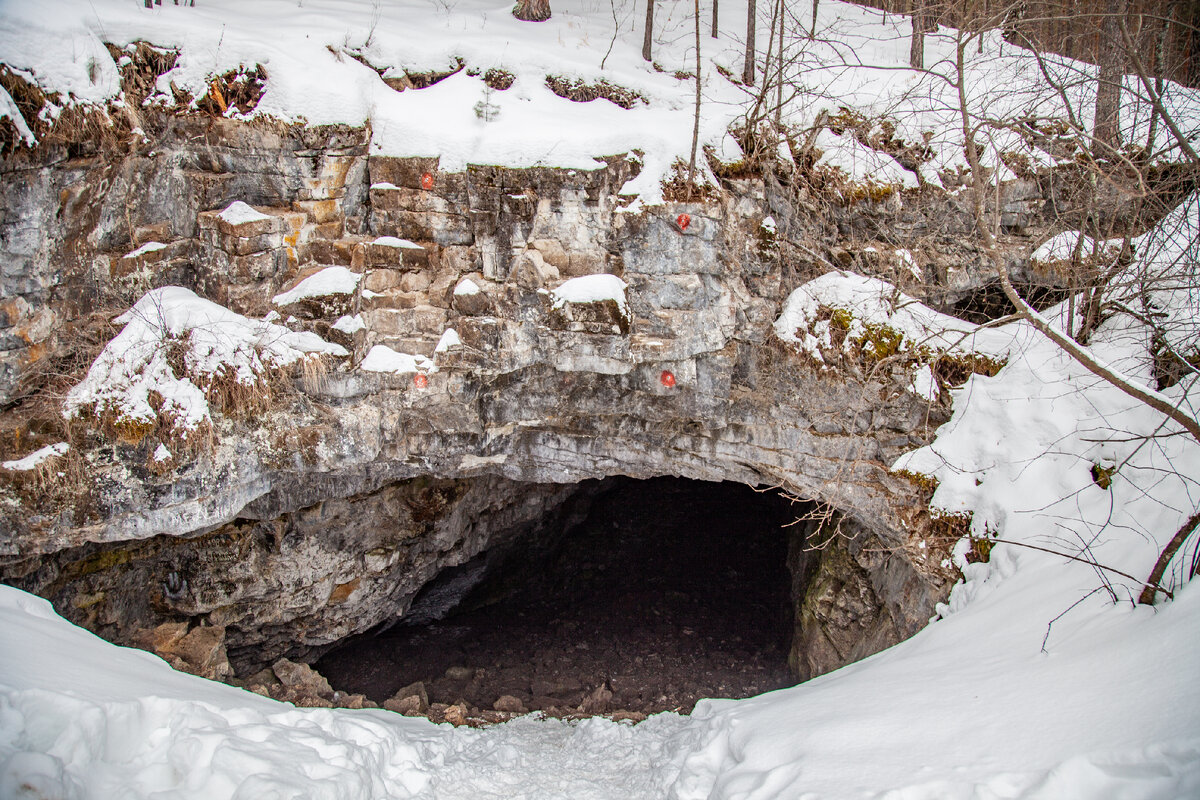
[[592, 289], [36, 458], [382, 358], [237, 213], [329, 281], [134, 378]]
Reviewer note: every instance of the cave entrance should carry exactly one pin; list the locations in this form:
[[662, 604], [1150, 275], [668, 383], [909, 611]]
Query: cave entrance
[[652, 595]]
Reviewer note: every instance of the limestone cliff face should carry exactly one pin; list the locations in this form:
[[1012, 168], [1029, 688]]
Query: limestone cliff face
[[324, 513]]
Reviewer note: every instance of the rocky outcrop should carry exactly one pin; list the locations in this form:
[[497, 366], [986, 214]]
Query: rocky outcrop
[[324, 512]]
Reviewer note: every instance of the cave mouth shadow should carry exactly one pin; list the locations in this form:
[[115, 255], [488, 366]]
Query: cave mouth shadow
[[652, 595]]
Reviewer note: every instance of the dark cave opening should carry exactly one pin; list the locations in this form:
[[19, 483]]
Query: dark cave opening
[[654, 594]]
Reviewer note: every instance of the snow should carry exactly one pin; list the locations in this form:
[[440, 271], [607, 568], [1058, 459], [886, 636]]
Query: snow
[[1062, 247], [349, 324], [238, 212], [876, 302], [329, 281], [161, 453], [466, 287], [392, 241], [592, 289], [148, 247], [910, 262], [36, 458], [135, 369], [450, 339], [382, 358], [857, 61], [923, 384]]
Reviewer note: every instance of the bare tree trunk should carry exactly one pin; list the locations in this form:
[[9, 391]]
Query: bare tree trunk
[[751, 24], [532, 10], [649, 38], [1164, 560], [779, 77], [696, 122], [812, 31], [714, 25], [1107, 122], [922, 23]]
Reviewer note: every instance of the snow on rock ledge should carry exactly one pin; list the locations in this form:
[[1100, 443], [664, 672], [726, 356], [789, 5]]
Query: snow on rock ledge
[[176, 353], [329, 281], [382, 358], [592, 289]]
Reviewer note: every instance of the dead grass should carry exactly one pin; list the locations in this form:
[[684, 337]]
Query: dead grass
[[234, 92], [146, 62], [579, 91], [675, 187]]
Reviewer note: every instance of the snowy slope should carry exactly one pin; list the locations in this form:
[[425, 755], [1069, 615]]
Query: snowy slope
[[857, 62]]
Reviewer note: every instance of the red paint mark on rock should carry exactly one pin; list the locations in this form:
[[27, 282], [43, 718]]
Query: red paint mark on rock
[[667, 378], [683, 220], [420, 381], [427, 181]]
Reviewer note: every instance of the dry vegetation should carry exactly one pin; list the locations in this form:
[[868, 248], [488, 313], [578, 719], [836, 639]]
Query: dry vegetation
[[580, 91]]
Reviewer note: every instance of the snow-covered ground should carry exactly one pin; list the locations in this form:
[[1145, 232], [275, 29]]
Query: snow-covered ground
[[855, 66], [1039, 679]]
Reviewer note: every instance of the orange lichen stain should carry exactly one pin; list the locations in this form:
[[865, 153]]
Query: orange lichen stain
[[342, 591]]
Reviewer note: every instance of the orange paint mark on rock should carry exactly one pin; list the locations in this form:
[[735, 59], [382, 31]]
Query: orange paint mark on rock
[[667, 378], [683, 220]]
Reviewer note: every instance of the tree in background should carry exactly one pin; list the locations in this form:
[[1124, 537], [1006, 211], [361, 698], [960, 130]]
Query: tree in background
[[751, 22], [922, 23], [532, 10], [648, 39], [1112, 60]]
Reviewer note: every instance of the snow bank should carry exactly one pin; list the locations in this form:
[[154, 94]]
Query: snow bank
[[148, 247], [466, 287], [393, 241], [349, 324], [80, 718], [450, 339], [135, 377], [1062, 247]]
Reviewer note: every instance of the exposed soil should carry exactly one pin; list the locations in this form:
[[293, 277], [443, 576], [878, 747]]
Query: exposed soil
[[669, 591]]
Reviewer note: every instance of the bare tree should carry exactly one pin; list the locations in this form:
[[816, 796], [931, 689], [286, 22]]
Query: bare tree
[[648, 38], [696, 121], [751, 24], [714, 18], [922, 23], [1107, 122]]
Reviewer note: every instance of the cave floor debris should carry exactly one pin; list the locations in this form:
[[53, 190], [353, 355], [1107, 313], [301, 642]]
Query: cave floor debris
[[670, 591]]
